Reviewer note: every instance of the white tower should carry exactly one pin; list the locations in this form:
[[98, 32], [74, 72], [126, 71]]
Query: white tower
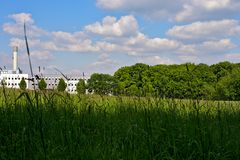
[[15, 59]]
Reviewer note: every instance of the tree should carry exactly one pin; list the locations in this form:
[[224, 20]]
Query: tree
[[81, 87], [102, 83], [222, 69], [42, 85], [61, 85], [23, 84]]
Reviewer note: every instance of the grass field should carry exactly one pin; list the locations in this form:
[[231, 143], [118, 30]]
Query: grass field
[[62, 126]]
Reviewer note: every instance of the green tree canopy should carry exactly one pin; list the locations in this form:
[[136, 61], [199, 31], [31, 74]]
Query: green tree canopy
[[189, 80], [102, 83]]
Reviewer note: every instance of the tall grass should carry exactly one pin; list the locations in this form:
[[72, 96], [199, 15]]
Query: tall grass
[[67, 126]]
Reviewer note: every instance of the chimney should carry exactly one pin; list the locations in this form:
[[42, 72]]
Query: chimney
[[15, 59]]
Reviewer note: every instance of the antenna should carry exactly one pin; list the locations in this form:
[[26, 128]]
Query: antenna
[[29, 58], [20, 71], [28, 52], [62, 74]]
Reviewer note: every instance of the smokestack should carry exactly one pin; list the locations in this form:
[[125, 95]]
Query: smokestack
[[15, 58]]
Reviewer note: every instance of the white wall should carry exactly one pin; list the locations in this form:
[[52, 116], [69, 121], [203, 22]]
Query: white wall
[[13, 80]]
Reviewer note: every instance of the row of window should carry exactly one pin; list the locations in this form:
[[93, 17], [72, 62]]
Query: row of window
[[69, 90], [13, 84], [55, 79], [12, 78], [57, 84]]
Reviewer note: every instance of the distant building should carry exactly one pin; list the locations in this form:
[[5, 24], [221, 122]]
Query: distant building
[[52, 81], [12, 78]]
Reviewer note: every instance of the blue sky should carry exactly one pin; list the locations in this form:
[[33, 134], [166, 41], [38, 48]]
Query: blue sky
[[103, 35]]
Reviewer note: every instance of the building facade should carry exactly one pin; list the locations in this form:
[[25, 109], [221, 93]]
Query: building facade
[[12, 78]]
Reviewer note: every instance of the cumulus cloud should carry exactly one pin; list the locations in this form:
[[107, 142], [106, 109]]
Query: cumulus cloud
[[206, 30], [104, 60], [141, 44], [232, 56], [154, 60], [175, 10], [16, 28], [149, 8], [193, 42], [44, 41], [207, 48], [195, 10], [104, 64], [22, 18], [125, 26]]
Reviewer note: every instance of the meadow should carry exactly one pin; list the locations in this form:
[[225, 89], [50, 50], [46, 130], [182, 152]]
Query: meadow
[[51, 125]]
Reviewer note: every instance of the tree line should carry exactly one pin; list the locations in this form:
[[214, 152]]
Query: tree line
[[219, 81]]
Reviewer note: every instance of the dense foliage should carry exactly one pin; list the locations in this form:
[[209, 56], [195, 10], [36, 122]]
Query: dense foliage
[[185, 81], [102, 84]]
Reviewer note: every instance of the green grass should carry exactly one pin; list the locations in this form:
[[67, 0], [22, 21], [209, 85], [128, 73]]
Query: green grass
[[62, 126]]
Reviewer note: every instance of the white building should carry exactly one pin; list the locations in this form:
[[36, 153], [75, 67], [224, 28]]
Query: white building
[[52, 81], [12, 78]]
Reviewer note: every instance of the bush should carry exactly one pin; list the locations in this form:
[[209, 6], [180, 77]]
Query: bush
[[61, 85], [42, 85], [23, 84], [81, 87]]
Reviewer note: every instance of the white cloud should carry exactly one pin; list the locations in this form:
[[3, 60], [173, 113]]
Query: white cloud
[[16, 28], [125, 26], [175, 10], [212, 4], [206, 30], [149, 8], [235, 56], [209, 47], [195, 10], [142, 44], [193, 42], [104, 64], [22, 18], [154, 60], [67, 37], [104, 61], [41, 55]]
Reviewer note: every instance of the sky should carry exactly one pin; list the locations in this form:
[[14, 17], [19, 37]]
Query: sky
[[103, 35]]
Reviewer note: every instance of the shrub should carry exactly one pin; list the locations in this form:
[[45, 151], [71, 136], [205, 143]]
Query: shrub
[[42, 85], [61, 85], [23, 84]]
